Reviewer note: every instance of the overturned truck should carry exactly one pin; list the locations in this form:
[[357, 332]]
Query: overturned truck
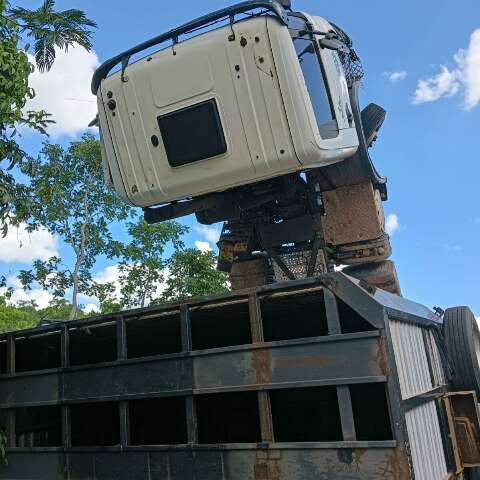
[[324, 378]]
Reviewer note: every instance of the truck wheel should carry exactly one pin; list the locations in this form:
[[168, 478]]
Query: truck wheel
[[378, 274], [373, 117], [249, 273], [462, 340]]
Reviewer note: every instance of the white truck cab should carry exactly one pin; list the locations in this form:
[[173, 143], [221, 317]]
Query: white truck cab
[[255, 99]]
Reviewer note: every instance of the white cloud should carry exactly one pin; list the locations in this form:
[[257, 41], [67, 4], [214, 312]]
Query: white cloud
[[391, 223], [465, 78], [469, 63], [211, 234], [112, 273], [64, 91], [41, 297], [22, 246], [91, 308], [203, 246], [445, 84], [396, 76]]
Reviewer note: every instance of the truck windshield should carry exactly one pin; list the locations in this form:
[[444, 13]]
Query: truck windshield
[[314, 80]]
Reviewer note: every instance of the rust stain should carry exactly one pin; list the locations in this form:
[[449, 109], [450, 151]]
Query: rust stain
[[382, 356], [358, 454], [316, 360], [262, 364], [397, 466], [267, 469]]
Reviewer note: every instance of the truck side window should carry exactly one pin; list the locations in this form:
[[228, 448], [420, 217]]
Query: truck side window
[[317, 89]]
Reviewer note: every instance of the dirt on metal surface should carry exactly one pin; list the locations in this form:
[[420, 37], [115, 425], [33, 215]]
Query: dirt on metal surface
[[267, 468], [397, 467], [382, 356], [262, 364], [251, 273], [353, 214]]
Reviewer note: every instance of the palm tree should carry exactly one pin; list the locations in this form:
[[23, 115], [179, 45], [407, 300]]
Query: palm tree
[[50, 28]]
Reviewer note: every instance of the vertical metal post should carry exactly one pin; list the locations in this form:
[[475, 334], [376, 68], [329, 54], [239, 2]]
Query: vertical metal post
[[331, 308], [186, 332], [255, 318], [264, 405], [185, 328], [124, 424], [122, 405], [10, 355], [343, 391], [65, 347], [66, 427], [121, 339], [11, 421], [346, 413]]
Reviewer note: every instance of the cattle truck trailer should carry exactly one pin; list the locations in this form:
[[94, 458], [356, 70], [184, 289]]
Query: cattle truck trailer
[[320, 378]]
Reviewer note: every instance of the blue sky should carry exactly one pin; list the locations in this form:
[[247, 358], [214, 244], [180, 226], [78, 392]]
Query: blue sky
[[428, 148]]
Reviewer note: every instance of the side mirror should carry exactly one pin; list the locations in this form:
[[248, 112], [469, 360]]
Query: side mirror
[[333, 44]]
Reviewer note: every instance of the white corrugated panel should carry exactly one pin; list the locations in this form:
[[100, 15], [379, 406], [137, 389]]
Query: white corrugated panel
[[410, 358], [436, 360], [425, 441]]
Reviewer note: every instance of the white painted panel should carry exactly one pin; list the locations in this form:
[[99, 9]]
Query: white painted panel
[[410, 358]]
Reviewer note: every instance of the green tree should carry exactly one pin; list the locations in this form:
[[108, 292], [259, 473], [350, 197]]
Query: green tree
[[58, 309], [142, 266], [13, 318], [49, 29], [69, 198], [193, 273], [105, 292]]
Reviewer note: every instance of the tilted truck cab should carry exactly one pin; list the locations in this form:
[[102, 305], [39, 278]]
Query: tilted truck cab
[[252, 100], [250, 116]]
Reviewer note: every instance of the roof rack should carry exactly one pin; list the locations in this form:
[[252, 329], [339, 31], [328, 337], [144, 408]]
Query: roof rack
[[273, 6]]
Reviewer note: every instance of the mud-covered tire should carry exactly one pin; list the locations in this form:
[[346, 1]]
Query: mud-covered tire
[[249, 273], [462, 341], [373, 117], [378, 274]]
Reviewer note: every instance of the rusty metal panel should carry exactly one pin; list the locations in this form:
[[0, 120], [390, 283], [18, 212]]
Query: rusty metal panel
[[410, 358], [305, 361], [425, 439], [135, 378], [213, 464]]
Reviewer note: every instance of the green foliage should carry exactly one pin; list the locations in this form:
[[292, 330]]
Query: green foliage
[[14, 93], [14, 318], [58, 309], [193, 273], [70, 199], [49, 29], [142, 266]]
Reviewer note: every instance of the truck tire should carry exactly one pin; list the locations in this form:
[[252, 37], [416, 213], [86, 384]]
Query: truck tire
[[378, 274], [462, 341], [373, 116], [249, 273]]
